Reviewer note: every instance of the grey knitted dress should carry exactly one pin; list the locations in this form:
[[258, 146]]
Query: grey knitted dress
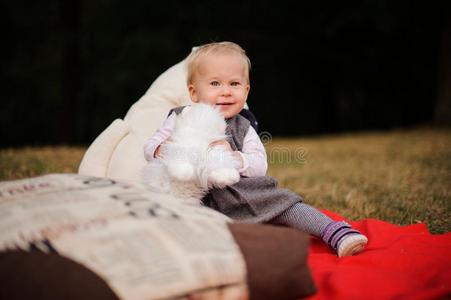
[[252, 199]]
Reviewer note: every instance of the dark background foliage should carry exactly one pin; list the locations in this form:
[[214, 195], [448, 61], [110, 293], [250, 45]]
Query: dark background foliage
[[69, 68]]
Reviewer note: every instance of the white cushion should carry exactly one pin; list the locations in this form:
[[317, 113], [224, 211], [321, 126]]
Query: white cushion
[[118, 151], [98, 156]]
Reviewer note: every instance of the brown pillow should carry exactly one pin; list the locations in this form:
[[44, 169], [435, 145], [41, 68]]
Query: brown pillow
[[276, 261], [36, 275]]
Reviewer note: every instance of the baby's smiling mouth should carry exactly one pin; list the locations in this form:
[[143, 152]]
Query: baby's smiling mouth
[[224, 103]]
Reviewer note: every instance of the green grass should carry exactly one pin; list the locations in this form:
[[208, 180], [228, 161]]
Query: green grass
[[29, 162], [402, 177]]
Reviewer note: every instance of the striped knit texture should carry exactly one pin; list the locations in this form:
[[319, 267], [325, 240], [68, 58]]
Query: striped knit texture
[[338, 235], [304, 217], [335, 232]]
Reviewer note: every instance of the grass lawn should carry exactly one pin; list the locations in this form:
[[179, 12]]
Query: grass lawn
[[401, 176], [29, 162]]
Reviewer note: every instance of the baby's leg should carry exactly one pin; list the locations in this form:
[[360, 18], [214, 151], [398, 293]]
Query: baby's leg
[[304, 217], [339, 235]]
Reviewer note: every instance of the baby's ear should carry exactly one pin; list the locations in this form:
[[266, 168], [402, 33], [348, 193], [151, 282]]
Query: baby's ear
[[192, 93], [248, 88]]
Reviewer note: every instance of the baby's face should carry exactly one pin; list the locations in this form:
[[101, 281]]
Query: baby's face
[[221, 80]]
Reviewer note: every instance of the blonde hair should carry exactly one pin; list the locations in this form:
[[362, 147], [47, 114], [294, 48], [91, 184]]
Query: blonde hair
[[214, 48]]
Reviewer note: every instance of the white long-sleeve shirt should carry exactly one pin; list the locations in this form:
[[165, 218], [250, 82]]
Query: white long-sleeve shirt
[[253, 153]]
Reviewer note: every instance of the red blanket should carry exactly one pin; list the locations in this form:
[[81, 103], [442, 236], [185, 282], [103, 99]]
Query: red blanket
[[399, 262]]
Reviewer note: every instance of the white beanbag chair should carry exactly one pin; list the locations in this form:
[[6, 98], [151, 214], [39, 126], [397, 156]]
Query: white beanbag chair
[[118, 151]]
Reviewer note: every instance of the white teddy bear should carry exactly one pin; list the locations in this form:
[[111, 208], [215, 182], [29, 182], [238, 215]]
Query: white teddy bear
[[188, 166]]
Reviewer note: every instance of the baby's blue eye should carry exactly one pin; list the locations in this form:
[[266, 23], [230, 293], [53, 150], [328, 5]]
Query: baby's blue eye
[[235, 83], [214, 83]]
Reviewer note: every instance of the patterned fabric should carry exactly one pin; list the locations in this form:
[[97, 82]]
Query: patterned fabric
[[252, 199], [236, 130], [304, 217]]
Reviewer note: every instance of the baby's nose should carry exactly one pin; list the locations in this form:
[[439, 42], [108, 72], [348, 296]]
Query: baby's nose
[[226, 90]]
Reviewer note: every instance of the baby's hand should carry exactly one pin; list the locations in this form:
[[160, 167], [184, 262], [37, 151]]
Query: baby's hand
[[158, 150]]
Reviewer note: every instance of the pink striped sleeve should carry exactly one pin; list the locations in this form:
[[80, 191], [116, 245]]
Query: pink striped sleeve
[[161, 135]]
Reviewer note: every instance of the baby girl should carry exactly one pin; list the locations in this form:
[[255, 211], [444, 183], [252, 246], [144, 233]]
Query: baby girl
[[218, 74]]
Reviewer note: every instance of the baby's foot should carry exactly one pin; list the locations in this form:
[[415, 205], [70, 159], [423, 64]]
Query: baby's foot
[[181, 171], [345, 240], [351, 244], [223, 177]]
